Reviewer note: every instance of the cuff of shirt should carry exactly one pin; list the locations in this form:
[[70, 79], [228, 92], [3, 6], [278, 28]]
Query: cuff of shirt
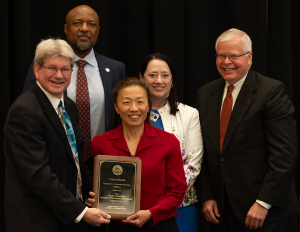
[[264, 204], [78, 219]]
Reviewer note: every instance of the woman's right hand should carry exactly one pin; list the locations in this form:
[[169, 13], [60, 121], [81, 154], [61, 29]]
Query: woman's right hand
[[91, 201]]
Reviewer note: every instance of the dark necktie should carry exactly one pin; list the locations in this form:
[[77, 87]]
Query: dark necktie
[[225, 115], [65, 120], [83, 106]]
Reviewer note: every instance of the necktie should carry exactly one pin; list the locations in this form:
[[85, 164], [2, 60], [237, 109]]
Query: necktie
[[83, 106], [65, 120], [225, 115]]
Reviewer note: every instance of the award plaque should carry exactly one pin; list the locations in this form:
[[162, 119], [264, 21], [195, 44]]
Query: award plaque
[[117, 185]]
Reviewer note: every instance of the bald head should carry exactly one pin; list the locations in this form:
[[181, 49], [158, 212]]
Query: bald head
[[82, 29], [82, 9]]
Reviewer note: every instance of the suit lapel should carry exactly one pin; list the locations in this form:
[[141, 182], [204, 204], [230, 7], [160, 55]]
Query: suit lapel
[[106, 77], [52, 116], [241, 106], [117, 139], [145, 140], [214, 114]]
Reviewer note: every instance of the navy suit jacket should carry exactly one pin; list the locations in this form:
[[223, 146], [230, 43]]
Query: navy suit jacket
[[259, 152], [40, 171], [109, 79]]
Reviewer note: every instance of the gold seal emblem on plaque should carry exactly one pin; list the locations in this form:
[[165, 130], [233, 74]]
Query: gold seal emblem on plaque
[[117, 170]]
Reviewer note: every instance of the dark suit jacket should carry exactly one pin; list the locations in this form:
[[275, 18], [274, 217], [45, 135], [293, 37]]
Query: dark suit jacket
[[40, 171], [109, 79], [259, 152]]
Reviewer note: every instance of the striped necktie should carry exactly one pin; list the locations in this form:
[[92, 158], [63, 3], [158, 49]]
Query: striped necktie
[[225, 115], [65, 119]]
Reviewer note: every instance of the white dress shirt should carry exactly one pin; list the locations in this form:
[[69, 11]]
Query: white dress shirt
[[234, 94], [96, 92], [54, 102]]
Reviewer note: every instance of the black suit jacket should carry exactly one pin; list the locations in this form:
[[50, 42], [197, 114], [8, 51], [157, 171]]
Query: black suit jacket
[[117, 72], [40, 171], [259, 152]]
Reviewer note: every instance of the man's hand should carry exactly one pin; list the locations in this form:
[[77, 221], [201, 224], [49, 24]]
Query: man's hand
[[139, 219], [91, 201], [96, 217], [256, 216], [210, 210]]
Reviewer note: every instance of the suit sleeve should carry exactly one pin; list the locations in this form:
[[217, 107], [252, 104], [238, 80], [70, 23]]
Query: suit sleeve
[[281, 141], [29, 81], [27, 152], [202, 184], [176, 185]]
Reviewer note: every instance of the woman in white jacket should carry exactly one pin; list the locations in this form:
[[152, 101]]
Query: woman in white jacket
[[181, 120]]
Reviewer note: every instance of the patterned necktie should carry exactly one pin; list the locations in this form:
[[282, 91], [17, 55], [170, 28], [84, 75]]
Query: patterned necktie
[[225, 115], [65, 120], [83, 106]]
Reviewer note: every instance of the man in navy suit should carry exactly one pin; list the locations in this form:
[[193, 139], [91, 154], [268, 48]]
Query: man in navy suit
[[102, 74]]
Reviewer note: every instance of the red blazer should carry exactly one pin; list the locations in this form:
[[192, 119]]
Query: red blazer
[[163, 180]]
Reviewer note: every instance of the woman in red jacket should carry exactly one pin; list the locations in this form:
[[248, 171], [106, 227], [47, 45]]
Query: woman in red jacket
[[163, 181]]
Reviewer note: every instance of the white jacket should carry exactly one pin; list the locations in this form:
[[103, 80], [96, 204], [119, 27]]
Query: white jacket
[[186, 127]]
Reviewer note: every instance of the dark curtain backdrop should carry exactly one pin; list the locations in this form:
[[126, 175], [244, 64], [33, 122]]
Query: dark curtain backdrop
[[186, 31]]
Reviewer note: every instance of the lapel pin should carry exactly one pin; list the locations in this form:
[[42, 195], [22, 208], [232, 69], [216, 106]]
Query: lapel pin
[[107, 70]]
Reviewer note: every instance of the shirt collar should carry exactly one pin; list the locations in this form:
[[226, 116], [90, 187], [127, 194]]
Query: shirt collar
[[54, 100], [237, 85], [90, 58]]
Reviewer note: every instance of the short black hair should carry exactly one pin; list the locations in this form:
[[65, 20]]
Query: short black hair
[[130, 81]]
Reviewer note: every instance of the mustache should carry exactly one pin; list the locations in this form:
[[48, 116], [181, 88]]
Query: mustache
[[84, 34]]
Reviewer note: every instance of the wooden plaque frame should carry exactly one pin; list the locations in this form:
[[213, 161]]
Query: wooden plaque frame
[[101, 159]]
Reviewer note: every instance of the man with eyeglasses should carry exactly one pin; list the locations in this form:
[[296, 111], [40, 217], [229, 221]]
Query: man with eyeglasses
[[46, 181], [249, 131], [93, 78]]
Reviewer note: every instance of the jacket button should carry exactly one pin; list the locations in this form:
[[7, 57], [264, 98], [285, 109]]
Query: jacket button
[[222, 159], [222, 180]]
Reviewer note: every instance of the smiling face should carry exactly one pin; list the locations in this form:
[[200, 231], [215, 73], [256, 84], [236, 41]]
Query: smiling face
[[233, 70], [158, 78], [55, 83], [82, 29], [132, 106]]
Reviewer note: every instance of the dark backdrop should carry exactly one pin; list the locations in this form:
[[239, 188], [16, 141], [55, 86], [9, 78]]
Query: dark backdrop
[[184, 30]]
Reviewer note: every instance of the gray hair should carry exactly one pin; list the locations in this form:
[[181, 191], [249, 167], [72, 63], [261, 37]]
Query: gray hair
[[236, 33], [51, 48]]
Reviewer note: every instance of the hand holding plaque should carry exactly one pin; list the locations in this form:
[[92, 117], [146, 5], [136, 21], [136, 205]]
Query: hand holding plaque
[[117, 184]]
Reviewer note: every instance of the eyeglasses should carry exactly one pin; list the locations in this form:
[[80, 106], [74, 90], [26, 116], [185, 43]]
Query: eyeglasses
[[52, 70], [230, 57]]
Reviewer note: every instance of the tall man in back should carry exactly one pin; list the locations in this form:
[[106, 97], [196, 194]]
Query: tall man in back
[[93, 78], [249, 131]]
